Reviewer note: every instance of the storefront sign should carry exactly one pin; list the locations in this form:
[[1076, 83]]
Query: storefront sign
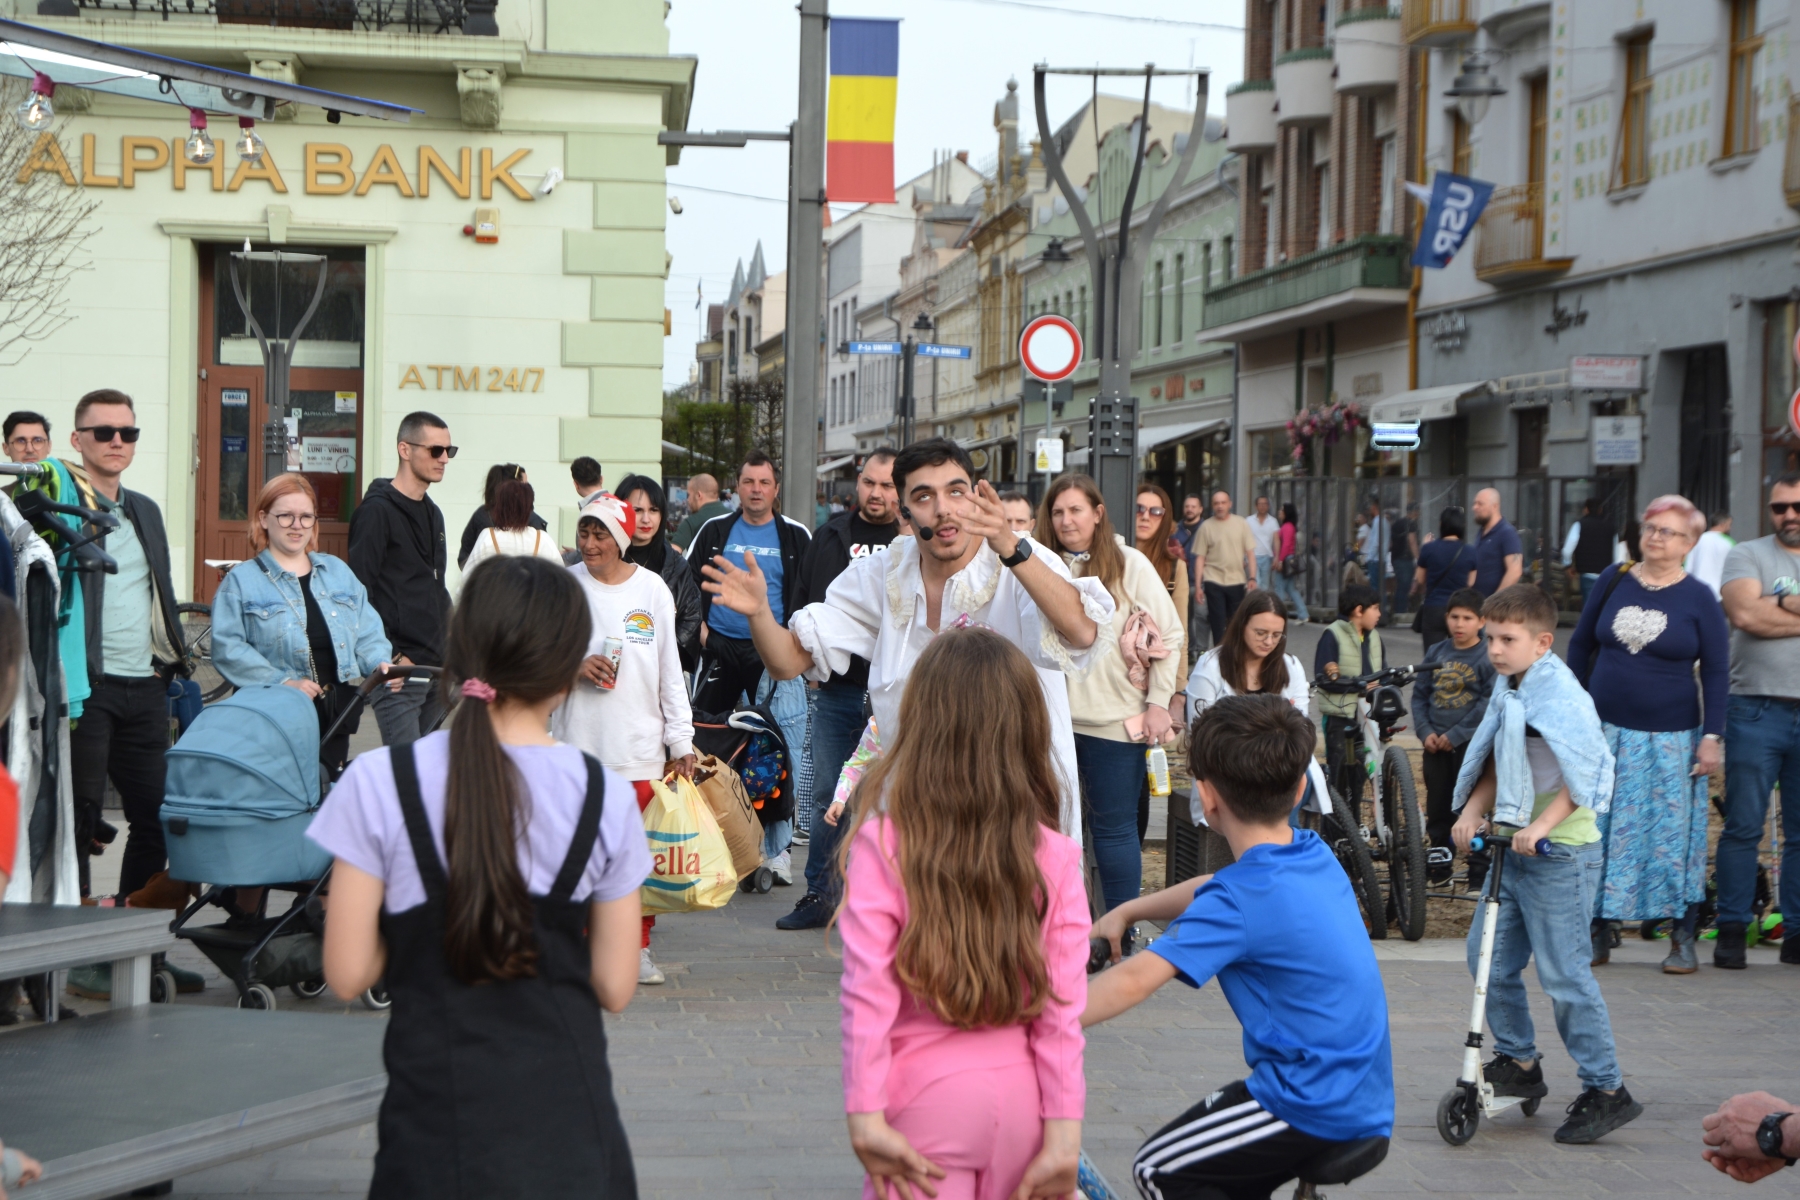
[[1618, 441], [234, 397], [326, 168], [1050, 455], [346, 402], [1623, 373], [328, 455], [450, 377]]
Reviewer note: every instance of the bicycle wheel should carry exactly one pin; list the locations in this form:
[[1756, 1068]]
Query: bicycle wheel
[[196, 632], [1344, 833], [1406, 857]]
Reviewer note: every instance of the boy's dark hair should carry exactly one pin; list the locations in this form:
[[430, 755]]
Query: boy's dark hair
[[1356, 596], [411, 425], [584, 472], [1467, 598], [101, 396], [24, 417], [932, 452], [1254, 751], [878, 454], [756, 458], [1525, 604]]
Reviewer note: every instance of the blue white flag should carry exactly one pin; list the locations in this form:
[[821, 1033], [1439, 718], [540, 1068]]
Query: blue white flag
[[1454, 206]]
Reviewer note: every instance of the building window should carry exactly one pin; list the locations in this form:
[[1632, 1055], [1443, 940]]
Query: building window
[[1634, 121], [1180, 286], [1740, 80], [1224, 257], [1156, 330], [1324, 202], [731, 351], [1459, 145], [1390, 167]]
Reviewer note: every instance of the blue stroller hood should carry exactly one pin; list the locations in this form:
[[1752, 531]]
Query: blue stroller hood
[[242, 787]]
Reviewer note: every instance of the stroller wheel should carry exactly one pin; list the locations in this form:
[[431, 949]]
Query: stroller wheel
[[1457, 1116], [310, 989], [376, 999], [259, 996], [765, 879], [162, 987]]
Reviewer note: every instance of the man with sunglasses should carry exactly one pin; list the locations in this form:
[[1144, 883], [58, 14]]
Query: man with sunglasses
[[133, 648], [1761, 594], [397, 549]]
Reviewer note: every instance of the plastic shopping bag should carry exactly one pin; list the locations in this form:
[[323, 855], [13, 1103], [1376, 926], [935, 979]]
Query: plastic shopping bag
[[691, 867]]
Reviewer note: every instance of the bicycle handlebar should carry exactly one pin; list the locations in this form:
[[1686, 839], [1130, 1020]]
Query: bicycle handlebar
[[1395, 676], [379, 678]]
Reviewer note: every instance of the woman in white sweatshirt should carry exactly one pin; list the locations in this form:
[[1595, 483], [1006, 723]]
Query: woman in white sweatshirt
[[1120, 707], [634, 717], [511, 530]]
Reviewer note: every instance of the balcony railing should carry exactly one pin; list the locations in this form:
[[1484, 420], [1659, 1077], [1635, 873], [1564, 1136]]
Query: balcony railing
[[1790, 169], [1371, 261], [399, 16], [1511, 247], [1436, 22]]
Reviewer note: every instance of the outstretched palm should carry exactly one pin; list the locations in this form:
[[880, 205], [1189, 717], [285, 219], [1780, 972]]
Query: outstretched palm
[[741, 589]]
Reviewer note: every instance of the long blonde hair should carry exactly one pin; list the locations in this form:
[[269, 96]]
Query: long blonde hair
[[1105, 561], [967, 783]]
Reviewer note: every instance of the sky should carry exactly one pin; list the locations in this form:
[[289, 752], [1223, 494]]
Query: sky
[[955, 59]]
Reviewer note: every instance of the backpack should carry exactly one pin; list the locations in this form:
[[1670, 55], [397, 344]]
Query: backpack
[[749, 741]]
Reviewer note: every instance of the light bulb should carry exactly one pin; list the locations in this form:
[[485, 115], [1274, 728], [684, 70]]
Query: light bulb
[[250, 148], [199, 148], [36, 113]]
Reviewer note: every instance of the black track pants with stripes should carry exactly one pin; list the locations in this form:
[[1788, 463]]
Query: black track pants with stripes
[[1227, 1147]]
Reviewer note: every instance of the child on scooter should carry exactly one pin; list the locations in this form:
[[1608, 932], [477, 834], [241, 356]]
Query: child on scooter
[[1281, 930], [1539, 764]]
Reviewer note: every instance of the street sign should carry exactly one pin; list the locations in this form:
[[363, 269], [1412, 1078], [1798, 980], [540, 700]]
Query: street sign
[[1612, 372], [875, 347], [1050, 455], [1050, 348], [1394, 435], [1618, 441], [933, 350], [1794, 414]]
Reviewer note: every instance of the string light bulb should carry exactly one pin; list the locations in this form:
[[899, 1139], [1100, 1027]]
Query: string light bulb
[[198, 148], [250, 148], [36, 113]]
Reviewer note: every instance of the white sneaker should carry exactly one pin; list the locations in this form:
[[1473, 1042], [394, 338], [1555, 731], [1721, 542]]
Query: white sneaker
[[648, 971], [782, 867]]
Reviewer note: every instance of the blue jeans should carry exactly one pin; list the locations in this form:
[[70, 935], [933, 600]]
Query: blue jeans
[[1403, 581], [838, 722], [1289, 591], [1112, 775], [787, 703], [1587, 586], [1544, 907], [1762, 749], [1263, 563]]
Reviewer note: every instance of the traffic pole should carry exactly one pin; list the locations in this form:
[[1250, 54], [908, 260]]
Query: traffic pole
[[805, 261], [908, 352]]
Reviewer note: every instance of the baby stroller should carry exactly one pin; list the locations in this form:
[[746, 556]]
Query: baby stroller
[[243, 785], [750, 742]]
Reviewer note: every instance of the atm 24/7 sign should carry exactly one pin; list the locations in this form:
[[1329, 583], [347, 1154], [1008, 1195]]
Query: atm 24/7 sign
[[449, 377]]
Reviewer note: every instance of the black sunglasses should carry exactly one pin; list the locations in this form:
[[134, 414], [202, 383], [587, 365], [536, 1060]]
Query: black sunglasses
[[1780, 508], [435, 451], [106, 433]]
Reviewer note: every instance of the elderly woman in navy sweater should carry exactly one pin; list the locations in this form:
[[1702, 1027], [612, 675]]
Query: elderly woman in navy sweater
[[1642, 632]]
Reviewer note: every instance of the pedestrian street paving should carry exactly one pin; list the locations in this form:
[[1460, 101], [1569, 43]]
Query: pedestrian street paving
[[728, 1075]]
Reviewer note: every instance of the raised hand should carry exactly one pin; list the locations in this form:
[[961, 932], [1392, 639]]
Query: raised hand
[[741, 589], [985, 517]]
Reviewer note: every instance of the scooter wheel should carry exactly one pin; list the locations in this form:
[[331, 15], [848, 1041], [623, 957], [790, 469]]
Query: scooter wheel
[[1530, 1107], [765, 879], [1457, 1116], [376, 999]]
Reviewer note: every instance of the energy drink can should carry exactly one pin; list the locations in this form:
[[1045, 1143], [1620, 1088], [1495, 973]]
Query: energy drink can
[[1156, 765], [612, 649]]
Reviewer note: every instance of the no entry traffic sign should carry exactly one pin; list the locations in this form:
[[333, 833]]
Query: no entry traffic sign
[[1050, 348]]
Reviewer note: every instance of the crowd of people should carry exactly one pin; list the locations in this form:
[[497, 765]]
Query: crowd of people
[[931, 619]]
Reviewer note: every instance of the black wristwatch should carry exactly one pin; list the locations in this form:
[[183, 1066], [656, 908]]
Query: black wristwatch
[[1020, 553], [1769, 1139]]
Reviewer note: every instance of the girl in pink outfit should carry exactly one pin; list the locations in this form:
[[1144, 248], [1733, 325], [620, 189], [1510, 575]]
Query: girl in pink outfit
[[965, 927]]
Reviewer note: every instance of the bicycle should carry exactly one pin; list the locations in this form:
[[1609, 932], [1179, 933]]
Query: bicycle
[[1394, 834]]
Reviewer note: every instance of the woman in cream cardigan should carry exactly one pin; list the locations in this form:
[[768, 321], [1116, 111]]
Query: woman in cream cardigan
[[1121, 706]]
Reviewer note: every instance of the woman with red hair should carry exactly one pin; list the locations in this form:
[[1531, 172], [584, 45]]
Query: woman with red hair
[[1645, 628], [293, 615]]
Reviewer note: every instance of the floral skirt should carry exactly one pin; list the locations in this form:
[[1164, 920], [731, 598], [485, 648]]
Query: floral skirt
[[1655, 833]]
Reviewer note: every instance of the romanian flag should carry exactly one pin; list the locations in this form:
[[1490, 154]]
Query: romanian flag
[[859, 118]]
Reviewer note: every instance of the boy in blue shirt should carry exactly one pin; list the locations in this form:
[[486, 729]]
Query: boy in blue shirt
[[1538, 763], [1281, 930]]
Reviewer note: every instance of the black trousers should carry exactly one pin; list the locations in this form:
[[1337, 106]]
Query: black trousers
[[1343, 770], [1227, 1147], [730, 668], [122, 735], [1441, 768], [1222, 602]]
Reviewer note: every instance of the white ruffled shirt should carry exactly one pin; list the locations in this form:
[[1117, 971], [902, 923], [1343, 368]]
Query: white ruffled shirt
[[876, 610]]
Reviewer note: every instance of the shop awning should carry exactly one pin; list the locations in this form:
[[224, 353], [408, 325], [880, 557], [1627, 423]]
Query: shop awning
[[827, 468], [1152, 437], [1428, 404]]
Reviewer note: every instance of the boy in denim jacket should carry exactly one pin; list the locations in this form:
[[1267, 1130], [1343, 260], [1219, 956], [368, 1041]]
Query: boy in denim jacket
[[1539, 763]]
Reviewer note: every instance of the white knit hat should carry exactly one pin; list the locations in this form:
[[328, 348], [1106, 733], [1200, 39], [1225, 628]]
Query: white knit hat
[[618, 517]]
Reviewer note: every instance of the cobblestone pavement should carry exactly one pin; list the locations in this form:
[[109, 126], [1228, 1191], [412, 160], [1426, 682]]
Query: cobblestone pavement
[[728, 1075]]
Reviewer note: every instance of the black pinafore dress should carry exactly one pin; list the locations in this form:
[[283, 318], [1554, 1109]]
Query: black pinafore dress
[[498, 1089]]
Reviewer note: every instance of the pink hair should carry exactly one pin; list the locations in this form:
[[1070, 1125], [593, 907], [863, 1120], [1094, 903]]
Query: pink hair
[[1682, 507]]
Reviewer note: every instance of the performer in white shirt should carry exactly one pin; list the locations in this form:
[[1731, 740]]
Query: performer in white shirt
[[965, 566]]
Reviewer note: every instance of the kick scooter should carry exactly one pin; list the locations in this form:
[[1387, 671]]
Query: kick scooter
[[1461, 1109]]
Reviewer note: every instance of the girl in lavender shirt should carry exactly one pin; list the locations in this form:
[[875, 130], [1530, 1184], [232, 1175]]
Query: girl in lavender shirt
[[491, 876]]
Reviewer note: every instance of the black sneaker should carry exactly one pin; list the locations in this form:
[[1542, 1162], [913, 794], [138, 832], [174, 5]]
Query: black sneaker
[[812, 912], [1509, 1077], [1600, 943], [1596, 1114], [1728, 951], [1790, 950]]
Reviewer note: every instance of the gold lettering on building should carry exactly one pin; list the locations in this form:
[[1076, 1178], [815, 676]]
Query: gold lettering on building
[[88, 177], [490, 174], [384, 168], [498, 379], [430, 161], [337, 167], [413, 377], [265, 170], [47, 155], [130, 164]]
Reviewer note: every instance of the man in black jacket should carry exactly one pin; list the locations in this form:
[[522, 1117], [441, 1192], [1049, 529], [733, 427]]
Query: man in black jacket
[[1590, 547], [840, 706], [133, 636], [397, 549]]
